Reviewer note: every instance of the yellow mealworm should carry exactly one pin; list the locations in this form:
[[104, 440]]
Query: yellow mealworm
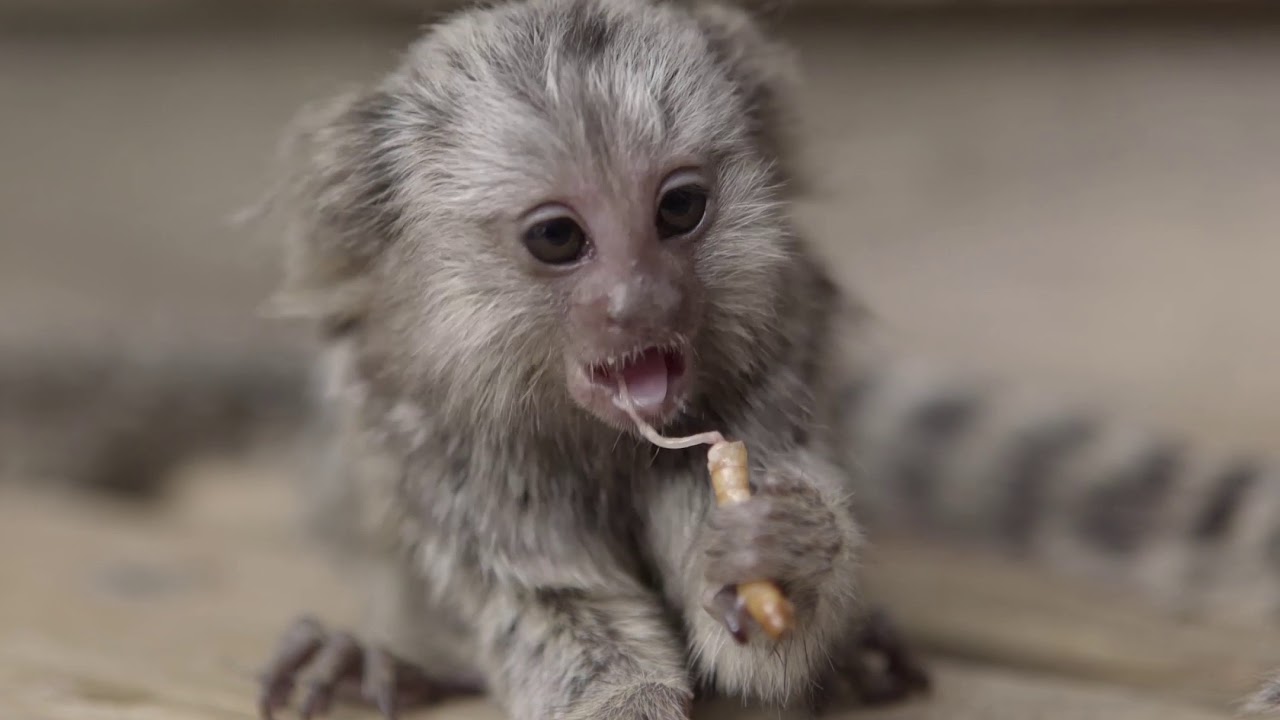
[[730, 478]]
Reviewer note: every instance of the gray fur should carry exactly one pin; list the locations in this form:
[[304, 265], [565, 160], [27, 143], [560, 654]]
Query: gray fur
[[120, 418], [1231, 488], [575, 556], [574, 560], [499, 529], [1070, 488]]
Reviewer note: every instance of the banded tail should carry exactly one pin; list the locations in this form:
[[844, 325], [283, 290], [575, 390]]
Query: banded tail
[[1081, 491], [120, 418]]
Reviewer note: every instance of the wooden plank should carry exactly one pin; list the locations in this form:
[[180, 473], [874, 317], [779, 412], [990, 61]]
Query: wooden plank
[[110, 614], [967, 606]]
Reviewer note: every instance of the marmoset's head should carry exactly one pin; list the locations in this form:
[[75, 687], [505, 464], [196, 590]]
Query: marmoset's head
[[548, 196]]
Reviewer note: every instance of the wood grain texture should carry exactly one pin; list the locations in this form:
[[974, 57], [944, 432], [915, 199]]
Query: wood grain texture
[[1045, 197], [114, 614]]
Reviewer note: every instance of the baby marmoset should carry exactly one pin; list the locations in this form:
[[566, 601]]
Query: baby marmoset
[[545, 197]]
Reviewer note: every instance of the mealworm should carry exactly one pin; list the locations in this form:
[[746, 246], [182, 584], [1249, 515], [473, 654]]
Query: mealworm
[[730, 478]]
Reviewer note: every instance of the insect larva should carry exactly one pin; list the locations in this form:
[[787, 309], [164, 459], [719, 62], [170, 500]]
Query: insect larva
[[730, 478]]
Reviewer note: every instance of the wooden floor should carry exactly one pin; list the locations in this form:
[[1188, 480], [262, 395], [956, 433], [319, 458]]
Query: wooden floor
[[114, 614], [1089, 205]]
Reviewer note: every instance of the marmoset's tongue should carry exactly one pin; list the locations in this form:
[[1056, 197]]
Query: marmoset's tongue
[[646, 379]]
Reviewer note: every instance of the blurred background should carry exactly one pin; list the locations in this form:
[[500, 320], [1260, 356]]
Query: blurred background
[[1080, 195]]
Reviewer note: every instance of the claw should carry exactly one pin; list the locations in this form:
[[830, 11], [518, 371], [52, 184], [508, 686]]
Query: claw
[[883, 635], [728, 607], [338, 660], [379, 686], [902, 675], [299, 644]]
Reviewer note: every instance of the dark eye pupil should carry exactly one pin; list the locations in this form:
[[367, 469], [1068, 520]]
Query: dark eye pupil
[[680, 211], [555, 241]]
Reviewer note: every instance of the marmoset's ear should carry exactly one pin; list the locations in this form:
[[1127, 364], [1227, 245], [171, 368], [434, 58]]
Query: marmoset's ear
[[338, 199], [765, 71]]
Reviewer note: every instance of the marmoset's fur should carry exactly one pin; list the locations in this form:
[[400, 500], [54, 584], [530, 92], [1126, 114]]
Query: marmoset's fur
[[549, 195]]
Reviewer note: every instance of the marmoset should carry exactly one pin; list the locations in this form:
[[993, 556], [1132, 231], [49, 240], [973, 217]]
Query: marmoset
[[545, 198]]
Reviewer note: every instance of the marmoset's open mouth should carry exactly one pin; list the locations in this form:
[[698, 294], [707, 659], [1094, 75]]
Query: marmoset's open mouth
[[649, 373], [657, 378]]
